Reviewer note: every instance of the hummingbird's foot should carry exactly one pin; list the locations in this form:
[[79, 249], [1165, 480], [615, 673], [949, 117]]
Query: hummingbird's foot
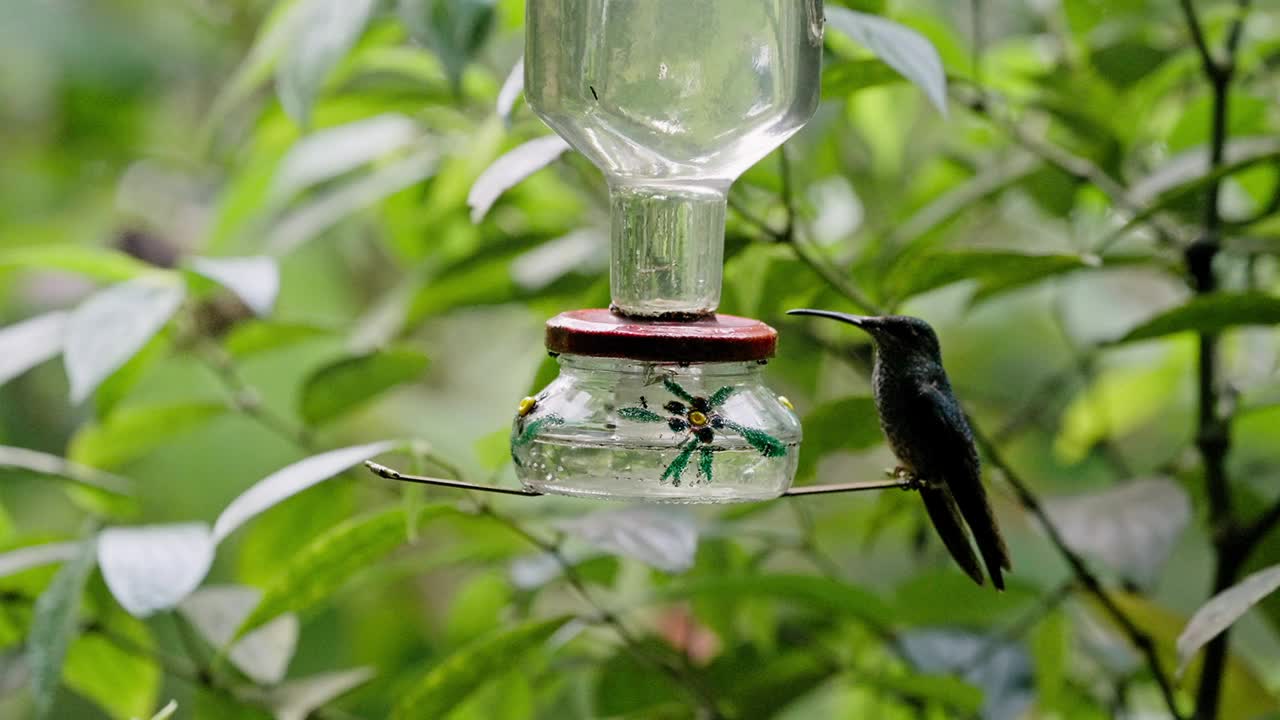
[[910, 481]]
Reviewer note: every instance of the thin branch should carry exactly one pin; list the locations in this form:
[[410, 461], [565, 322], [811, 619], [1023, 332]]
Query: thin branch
[[1213, 434], [246, 399], [1211, 67]]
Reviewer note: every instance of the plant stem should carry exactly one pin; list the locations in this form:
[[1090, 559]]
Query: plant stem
[[1213, 433]]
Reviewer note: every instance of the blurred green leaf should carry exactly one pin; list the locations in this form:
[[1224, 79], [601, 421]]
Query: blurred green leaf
[[297, 699], [31, 556], [329, 561], [1210, 314], [326, 209], [116, 388], [154, 567], [453, 29], [132, 432], [29, 343], [262, 336], [258, 64], [114, 324], [900, 47], [54, 466], [507, 171], [845, 77], [332, 152], [1050, 649], [93, 262], [815, 592], [1243, 693], [994, 271], [289, 481], [320, 34], [264, 654], [477, 607], [255, 280], [442, 687], [1223, 610], [336, 389], [115, 672], [850, 424], [916, 604], [53, 627]]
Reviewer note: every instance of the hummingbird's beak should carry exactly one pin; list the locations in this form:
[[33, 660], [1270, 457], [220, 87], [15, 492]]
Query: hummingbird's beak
[[864, 322]]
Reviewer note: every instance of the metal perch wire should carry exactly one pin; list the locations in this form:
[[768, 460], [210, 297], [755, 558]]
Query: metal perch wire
[[830, 489]]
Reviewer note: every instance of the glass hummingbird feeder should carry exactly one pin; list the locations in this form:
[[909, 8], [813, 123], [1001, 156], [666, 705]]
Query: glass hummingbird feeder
[[659, 398]]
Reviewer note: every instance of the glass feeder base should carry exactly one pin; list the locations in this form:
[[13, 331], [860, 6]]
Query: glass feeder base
[[580, 468]]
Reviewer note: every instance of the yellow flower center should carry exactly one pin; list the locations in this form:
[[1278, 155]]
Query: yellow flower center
[[697, 419], [526, 406]]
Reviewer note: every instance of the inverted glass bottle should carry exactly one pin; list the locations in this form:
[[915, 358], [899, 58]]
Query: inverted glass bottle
[[673, 100], [664, 432]]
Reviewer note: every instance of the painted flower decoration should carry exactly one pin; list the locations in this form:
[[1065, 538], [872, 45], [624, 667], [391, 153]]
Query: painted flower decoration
[[526, 427], [700, 418]]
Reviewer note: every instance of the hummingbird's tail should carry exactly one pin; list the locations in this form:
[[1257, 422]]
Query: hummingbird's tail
[[977, 512], [945, 515]]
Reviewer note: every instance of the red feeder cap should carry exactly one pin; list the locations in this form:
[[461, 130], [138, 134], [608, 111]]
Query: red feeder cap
[[603, 333]]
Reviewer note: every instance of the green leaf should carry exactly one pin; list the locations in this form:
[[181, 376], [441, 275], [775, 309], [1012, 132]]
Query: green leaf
[[296, 699], [915, 602], [1244, 695], [958, 696], [114, 324], [338, 388], [507, 171], [289, 481], [132, 432], [53, 626], [323, 210], [154, 567], [462, 673], [255, 280], [1210, 314], [92, 262], [116, 388], [326, 563], [1222, 610], [119, 676], [850, 424], [321, 33], [1051, 648], [262, 336], [29, 343], [845, 77], [995, 271], [255, 69], [453, 29], [900, 47], [54, 466], [819, 593], [218, 611], [335, 151]]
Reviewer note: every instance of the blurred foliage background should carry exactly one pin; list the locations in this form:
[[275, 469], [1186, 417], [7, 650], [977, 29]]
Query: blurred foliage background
[[244, 226]]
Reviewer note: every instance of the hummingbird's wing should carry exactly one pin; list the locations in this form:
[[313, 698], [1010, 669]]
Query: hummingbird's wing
[[955, 462]]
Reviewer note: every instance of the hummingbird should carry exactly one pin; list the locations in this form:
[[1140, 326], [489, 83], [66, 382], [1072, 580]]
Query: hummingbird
[[928, 432]]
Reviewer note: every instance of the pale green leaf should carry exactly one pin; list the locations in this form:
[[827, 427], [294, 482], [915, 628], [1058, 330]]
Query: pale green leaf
[[902, 48], [1210, 314], [108, 328], [320, 35], [850, 424], [154, 567], [93, 262], [29, 343], [289, 481]]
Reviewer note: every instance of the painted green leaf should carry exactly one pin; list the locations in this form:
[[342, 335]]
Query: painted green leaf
[[1210, 313], [53, 626], [342, 386], [447, 684], [635, 414]]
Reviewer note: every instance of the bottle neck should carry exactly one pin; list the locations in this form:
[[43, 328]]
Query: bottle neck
[[667, 250]]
